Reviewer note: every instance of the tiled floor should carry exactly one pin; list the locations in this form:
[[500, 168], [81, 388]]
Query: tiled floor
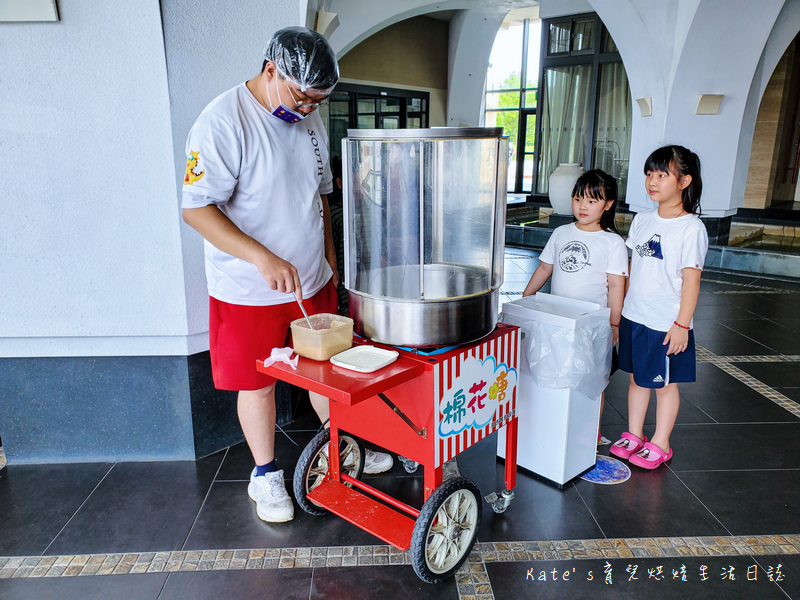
[[721, 520]]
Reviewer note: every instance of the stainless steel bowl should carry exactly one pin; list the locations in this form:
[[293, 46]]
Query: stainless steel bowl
[[458, 306]]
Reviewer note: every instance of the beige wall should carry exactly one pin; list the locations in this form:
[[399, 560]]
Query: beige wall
[[411, 54], [767, 180]]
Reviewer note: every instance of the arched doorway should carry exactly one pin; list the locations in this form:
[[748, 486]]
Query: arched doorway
[[775, 155], [771, 208]]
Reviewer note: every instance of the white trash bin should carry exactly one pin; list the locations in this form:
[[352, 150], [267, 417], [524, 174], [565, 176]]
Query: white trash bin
[[565, 359]]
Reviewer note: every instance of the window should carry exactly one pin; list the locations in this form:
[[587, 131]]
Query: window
[[565, 119], [612, 139], [367, 107], [511, 95], [585, 101]]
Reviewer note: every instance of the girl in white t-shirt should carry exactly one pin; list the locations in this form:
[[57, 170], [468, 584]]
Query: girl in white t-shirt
[[656, 341], [587, 259]]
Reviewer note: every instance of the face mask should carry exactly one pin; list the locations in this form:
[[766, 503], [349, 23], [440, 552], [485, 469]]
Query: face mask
[[284, 112]]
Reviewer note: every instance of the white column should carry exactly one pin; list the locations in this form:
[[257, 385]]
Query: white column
[[472, 34], [211, 47], [673, 52]]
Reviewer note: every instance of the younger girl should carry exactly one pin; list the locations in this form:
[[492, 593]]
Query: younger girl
[[587, 259], [656, 342]]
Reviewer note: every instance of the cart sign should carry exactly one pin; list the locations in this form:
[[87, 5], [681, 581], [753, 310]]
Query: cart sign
[[477, 394]]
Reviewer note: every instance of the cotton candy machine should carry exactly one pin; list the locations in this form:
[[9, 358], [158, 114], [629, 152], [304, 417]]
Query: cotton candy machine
[[424, 233]]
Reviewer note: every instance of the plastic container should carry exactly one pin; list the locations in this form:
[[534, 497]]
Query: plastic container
[[331, 334], [565, 356]]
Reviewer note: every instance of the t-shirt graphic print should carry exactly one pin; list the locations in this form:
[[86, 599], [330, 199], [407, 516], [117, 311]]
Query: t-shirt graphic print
[[574, 256], [652, 248]]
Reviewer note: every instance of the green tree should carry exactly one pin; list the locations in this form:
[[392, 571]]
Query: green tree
[[509, 119]]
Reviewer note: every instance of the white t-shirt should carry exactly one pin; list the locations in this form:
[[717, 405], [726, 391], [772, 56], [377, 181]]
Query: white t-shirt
[[661, 248], [266, 175], [582, 261]]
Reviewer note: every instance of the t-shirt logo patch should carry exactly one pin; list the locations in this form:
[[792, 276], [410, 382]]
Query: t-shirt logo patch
[[652, 248], [191, 165], [573, 257]]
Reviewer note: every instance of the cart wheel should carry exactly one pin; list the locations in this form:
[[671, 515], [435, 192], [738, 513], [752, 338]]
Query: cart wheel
[[312, 466], [409, 465], [446, 530], [499, 503]]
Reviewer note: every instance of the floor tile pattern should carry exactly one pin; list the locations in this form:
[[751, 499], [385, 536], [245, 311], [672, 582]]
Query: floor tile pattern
[[367, 556], [724, 363]]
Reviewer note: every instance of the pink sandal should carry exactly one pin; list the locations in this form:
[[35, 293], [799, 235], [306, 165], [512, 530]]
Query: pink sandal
[[627, 445], [650, 457]]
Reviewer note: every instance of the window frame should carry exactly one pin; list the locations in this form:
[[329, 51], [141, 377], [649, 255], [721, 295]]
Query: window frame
[[357, 91], [522, 112], [595, 57]]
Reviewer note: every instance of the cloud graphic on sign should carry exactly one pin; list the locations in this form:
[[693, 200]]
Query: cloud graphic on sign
[[468, 404]]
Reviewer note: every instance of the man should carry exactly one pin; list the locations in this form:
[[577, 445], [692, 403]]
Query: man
[[257, 164]]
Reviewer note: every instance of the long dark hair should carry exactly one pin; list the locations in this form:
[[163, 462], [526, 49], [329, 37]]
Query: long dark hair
[[679, 161], [601, 186]]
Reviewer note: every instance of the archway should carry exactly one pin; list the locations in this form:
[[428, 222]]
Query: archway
[[774, 166]]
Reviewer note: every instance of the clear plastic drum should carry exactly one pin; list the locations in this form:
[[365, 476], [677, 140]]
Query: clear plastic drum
[[424, 233]]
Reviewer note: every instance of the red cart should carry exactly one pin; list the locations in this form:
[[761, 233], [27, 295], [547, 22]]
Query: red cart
[[427, 409]]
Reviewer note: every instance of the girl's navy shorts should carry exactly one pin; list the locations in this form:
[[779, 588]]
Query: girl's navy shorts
[[642, 352]]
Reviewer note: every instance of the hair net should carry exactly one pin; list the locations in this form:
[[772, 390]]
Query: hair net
[[304, 57]]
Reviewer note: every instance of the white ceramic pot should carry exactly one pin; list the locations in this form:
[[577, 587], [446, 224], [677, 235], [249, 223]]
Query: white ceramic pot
[[562, 180]]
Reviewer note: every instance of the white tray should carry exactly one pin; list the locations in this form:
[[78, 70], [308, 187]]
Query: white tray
[[365, 359]]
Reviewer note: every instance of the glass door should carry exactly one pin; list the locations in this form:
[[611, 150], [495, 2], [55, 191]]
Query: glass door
[[528, 161], [338, 120], [416, 113], [612, 137], [586, 102], [390, 113], [367, 115], [367, 107], [565, 119]]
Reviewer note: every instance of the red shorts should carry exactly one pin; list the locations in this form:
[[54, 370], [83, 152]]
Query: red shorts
[[240, 335]]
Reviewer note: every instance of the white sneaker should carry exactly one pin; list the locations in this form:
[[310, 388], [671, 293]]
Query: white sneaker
[[377, 462], [268, 491]]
